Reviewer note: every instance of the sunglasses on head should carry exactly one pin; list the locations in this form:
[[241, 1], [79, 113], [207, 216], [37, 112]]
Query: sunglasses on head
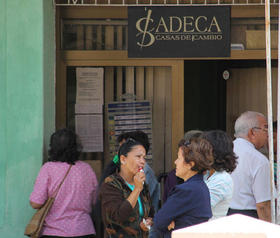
[[130, 140], [187, 143]]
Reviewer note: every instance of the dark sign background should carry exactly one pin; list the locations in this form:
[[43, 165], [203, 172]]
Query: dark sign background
[[154, 30]]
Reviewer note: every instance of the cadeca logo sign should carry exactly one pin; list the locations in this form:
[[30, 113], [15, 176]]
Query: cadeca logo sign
[[158, 29], [177, 28]]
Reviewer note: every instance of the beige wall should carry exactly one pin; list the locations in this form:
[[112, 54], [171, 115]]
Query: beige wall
[[246, 90]]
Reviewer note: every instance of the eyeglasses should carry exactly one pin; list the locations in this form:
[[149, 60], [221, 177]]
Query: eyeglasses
[[259, 128]]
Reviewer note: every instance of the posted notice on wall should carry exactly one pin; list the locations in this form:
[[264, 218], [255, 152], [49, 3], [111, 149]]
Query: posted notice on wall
[[90, 131], [129, 116], [89, 108], [89, 85]]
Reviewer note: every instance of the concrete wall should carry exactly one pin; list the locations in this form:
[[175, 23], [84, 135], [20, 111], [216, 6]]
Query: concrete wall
[[27, 58]]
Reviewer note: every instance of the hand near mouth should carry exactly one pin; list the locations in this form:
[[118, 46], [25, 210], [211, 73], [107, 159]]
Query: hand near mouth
[[139, 178]]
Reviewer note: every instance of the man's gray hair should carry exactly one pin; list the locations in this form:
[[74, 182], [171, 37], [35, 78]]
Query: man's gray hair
[[245, 122]]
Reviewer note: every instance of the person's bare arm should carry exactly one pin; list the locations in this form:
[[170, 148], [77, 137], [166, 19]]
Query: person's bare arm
[[35, 205], [264, 211], [139, 179]]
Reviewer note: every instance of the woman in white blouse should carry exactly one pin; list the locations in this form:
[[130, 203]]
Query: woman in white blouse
[[218, 178]]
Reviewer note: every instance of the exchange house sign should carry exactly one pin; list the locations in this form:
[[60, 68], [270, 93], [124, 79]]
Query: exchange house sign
[[178, 32]]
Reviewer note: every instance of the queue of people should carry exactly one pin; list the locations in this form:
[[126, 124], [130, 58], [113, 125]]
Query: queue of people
[[213, 177]]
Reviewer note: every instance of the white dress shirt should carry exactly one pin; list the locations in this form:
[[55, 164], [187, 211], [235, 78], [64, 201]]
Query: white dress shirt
[[251, 177]]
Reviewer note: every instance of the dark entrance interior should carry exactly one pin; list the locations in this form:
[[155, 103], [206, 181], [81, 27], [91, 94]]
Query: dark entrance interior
[[205, 95]]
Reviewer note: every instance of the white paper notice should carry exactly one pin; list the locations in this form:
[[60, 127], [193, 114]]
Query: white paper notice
[[89, 85], [89, 128], [88, 108]]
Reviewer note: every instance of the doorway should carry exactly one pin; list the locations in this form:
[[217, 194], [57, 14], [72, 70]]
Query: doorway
[[205, 95]]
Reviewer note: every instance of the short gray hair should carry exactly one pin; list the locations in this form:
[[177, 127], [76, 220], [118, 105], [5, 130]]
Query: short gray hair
[[245, 122]]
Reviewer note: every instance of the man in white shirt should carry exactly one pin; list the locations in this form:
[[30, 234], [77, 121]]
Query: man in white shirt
[[251, 193]]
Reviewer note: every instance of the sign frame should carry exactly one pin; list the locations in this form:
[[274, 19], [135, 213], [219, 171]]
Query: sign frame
[[178, 32]]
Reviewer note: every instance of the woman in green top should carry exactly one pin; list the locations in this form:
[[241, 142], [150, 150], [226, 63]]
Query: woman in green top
[[125, 200]]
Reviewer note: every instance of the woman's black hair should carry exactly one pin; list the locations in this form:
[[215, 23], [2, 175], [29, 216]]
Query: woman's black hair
[[224, 157], [127, 146], [124, 149], [64, 146], [139, 136]]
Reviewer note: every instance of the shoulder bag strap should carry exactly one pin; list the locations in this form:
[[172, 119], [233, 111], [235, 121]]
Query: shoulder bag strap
[[57, 189]]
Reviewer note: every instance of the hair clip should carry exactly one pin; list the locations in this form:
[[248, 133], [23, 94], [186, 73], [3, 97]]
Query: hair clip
[[116, 159]]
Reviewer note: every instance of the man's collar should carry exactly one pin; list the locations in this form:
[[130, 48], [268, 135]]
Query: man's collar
[[246, 141]]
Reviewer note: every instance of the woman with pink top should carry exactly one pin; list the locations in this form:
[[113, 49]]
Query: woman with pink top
[[70, 213]]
